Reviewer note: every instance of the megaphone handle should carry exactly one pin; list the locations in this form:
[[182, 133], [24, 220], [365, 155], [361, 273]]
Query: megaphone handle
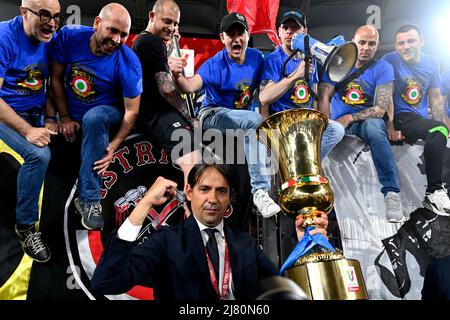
[[189, 102], [308, 62], [283, 70]]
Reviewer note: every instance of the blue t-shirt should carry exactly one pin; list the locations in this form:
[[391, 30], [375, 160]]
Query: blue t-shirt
[[95, 80], [299, 95], [412, 83], [359, 93], [445, 89], [229, 84], [23, 67]]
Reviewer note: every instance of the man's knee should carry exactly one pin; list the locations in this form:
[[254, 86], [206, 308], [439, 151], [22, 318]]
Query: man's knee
[[252, 120], [374, 128], [39, 155], [337, 131]]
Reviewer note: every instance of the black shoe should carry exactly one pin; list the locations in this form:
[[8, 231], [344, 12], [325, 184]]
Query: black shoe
[[91, 214], [33, 244]]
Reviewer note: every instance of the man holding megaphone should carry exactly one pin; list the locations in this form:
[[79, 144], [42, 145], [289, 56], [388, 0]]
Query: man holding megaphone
[[362, 103], [279, 93]]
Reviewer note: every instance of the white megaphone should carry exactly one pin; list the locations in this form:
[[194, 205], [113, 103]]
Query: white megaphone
[[338, 61]]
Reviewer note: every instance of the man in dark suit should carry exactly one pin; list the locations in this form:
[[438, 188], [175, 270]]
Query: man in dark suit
[[436, 285], [180, 259]]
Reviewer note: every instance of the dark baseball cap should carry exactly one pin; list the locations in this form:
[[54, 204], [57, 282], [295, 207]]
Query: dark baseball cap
[[294, 14], [231, 19]]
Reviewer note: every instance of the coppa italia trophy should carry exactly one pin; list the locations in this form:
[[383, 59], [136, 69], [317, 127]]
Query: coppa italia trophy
[[294, 136]]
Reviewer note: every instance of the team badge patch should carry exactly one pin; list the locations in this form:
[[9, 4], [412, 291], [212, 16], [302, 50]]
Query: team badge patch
[[354, 94], [34, 81], [245, 96], [81, 83], [412, 92], [300, 94]]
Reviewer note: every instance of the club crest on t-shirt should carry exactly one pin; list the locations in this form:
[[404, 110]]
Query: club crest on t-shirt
[[245, 96], [300, 94], [411, 92], [82, 83], [355, 94], [33, 82]]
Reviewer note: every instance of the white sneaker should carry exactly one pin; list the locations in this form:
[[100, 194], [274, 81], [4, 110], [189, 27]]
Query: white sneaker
[[438, 202], [264, 203], [394, 211]]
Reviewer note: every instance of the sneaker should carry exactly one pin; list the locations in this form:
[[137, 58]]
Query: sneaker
[[264, 203], [394, 212], [91, 214], [33, 245], [438, 202]]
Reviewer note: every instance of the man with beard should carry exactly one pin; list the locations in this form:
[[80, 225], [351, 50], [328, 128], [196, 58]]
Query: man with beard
[[24, 72], [163, 110], [363, 105], [280, 93], [417, 87], [103, 88], [230, 79]]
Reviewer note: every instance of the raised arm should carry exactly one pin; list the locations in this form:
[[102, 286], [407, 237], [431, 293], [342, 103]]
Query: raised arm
[[170, 92], [185, 85]]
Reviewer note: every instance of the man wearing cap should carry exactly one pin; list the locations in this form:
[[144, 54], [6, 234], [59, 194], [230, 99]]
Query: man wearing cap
[[417, 83], [278, 93], [364, 107], [230, 79]]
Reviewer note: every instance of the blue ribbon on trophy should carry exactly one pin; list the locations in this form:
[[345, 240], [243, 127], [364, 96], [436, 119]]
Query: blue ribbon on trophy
[[306, 244]]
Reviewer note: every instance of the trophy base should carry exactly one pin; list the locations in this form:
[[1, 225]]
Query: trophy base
[[329, 276]]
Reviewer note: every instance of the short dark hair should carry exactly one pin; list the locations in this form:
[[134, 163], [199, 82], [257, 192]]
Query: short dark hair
[[408, 27], [199, 169]]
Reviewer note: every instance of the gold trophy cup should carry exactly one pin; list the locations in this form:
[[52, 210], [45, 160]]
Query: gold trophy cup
[[294, 136]]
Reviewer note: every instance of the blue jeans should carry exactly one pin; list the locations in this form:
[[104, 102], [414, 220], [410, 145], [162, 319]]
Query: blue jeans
[[373, 131], [255, 153], [31, 175], [331, 136], [96, 125]]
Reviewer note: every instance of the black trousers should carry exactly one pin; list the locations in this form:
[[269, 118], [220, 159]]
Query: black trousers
[[414, 127]]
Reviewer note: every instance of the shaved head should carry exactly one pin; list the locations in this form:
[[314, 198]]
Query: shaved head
[[40, 4], [369, 30], [164, 19], [162, 5], [366, 39], [115, 11]]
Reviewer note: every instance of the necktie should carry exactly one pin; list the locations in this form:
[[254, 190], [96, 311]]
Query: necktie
[[213, 251]]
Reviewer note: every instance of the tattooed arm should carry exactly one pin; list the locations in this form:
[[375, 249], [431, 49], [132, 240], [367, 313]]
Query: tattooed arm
[[437, 104], [326, 92], [382, 102], [170, 92]]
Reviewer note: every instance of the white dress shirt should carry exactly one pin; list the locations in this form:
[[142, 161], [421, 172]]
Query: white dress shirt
[[130, 232]]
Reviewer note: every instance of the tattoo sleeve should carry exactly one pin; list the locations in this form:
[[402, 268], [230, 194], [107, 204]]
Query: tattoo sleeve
[[325, 87], [169, 91], [437, 104], [383, 95], [382, 101]]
